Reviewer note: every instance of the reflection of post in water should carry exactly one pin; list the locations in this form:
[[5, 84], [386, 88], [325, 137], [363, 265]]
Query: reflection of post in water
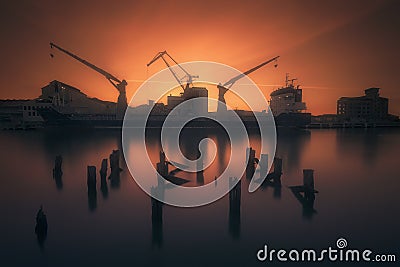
[[91, 184], [156, 205], [234, 207], [200, 173], [115, 169], [57, 172], [251, 163], [156, 219], [222, 146], [305, 193], [103, 176], [41, 227], [290, 146], [273, 179]]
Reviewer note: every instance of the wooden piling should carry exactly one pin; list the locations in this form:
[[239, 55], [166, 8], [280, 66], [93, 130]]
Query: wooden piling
[[277, 166], [200, 173], [91, 177], [251, 158], [308, 180], [114, 161], [103, 169], [250, 155], [263, 165], [162, 166]]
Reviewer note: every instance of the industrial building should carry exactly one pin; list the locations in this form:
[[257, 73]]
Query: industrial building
[[22, 113], [57, 96], [368, 108], [70, 100]]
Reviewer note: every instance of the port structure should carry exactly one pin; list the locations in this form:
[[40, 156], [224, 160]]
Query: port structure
[[223, 88], [188, 76], [120, 85], [189, 91]]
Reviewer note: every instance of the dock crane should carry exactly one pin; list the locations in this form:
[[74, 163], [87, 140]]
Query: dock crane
[[223, 88], [187, 74], [117, 83]]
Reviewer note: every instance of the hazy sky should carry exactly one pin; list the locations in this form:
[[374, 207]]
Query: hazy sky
[[335, 48]]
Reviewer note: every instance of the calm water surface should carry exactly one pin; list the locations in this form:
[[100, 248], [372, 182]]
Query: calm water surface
[[357, 174]]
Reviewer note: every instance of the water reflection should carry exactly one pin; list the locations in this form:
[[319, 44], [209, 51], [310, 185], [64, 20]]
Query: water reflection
[[91, 187], [366, 142], [290, 147], [234, 207], [41, 227], [57, 172], [156, 222], [357, 159]]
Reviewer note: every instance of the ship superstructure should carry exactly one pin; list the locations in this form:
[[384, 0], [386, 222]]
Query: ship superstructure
[[287, 105]]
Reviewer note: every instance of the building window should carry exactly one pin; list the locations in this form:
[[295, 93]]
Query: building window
[[29, 113]]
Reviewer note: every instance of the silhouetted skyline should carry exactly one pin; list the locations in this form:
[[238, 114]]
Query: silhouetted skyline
[[335, 49]]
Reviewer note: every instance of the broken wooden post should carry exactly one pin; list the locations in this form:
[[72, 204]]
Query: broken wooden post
[[114, 162], [115, 169], [250, 168], [162, 168], [305, 193], [200, 173], [308, 184], [278, 165], [103, 177], [103, 169], [263, 165], [308, 179], [250, 155], [162, 157], [277, 171]]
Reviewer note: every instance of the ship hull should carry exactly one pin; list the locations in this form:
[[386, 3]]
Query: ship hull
[[54, 118], [293, 119]]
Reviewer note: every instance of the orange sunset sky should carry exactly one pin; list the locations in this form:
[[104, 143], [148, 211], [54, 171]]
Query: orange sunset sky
[[335, 48]]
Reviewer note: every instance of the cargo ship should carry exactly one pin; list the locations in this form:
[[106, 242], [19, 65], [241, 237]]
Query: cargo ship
[[287, 105]]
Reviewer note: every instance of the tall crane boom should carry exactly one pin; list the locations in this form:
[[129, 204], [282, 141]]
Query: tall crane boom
[[117, 83], [188, 75], [238, 77], [223, 88], [108, 76]]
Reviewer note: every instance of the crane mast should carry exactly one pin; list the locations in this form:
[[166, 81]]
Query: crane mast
[[223, 88], [187, 74], [117, 83]]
